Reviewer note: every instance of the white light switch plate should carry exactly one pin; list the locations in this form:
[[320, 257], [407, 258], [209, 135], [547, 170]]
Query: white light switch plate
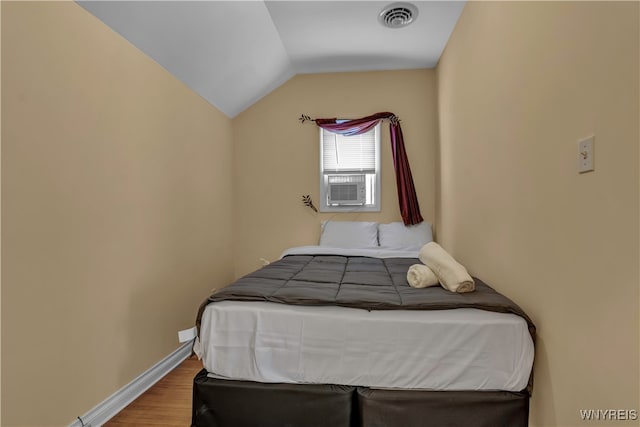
[[585, 154]]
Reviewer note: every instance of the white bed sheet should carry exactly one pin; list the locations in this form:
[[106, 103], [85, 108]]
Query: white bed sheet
[[459, 349], [373, 252]]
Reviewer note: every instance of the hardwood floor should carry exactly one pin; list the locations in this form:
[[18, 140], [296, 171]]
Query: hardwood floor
[[167, 403]]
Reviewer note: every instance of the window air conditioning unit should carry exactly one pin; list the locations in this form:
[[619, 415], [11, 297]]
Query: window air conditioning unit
[[346, 190]]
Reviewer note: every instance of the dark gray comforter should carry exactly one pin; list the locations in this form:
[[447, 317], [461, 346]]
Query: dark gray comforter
[[357, 282]]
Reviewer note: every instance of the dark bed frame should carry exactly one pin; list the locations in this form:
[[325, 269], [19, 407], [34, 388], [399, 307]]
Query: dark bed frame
[[231, 403]]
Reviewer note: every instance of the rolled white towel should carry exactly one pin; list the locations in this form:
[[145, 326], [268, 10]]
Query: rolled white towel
[[451, 274], [421, 276]]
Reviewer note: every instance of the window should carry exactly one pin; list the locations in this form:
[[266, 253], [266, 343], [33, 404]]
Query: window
[[350, 171]]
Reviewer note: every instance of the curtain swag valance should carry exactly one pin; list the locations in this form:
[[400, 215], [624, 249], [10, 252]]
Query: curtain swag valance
[[407, 199]]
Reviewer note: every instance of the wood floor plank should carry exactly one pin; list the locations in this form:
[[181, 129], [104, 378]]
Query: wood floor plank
[[167, 403]]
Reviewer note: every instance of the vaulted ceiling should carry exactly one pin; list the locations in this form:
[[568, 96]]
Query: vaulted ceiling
[[233, 53]]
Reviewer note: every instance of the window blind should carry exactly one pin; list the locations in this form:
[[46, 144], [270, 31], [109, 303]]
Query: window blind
[[356, 153]]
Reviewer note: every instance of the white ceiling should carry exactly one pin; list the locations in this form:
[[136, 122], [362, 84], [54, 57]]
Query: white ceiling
[[233, 53]]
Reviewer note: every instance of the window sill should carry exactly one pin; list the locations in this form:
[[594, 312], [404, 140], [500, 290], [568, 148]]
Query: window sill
[[347, 209]]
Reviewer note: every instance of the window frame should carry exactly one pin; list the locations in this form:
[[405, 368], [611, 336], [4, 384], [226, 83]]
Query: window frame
[[373, 207]]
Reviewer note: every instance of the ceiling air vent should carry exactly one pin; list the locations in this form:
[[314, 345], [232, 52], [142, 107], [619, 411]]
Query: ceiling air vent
[[398, 15]]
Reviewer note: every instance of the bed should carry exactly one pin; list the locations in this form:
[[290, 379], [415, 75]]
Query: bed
[[332, 335]]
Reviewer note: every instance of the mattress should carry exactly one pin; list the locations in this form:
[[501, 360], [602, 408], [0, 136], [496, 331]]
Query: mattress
[[453, 349]]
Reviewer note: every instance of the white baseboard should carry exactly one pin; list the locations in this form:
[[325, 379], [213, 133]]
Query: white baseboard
[[115, 403]]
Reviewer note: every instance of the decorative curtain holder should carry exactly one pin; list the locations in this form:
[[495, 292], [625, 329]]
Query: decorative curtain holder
[[306, 199]]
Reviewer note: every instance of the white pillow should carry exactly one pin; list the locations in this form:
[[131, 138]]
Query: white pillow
[[399, 236], [349, 234]]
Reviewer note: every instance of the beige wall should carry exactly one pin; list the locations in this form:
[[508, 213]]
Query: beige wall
[[519, 84], [116, 205], [276, 159], [0, 220]]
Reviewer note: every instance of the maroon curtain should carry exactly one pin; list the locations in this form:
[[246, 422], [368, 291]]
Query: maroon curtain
[[407, 199]]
